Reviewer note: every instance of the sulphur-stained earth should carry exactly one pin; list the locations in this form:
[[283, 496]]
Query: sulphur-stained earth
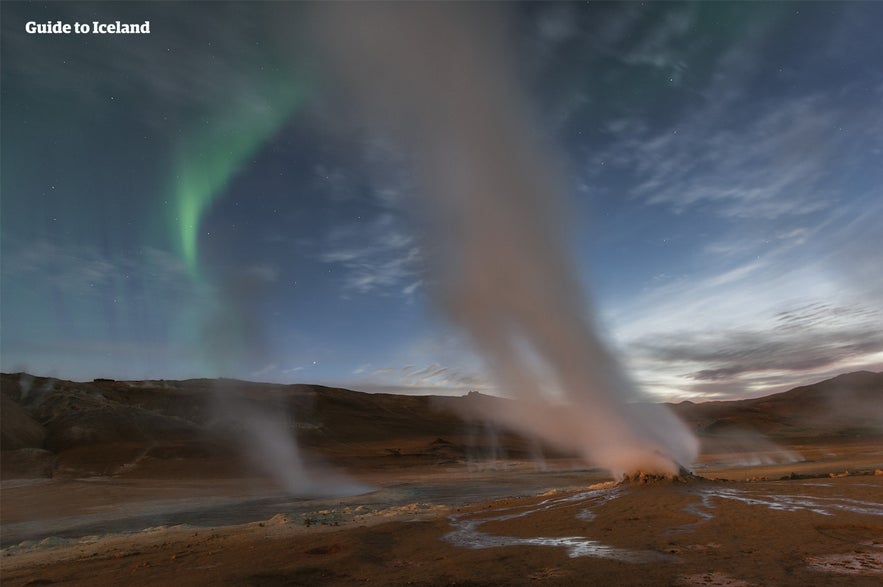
[[779, 496], [444, 530]]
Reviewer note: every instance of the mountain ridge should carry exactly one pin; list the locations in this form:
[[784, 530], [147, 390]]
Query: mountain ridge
[[102, 426]]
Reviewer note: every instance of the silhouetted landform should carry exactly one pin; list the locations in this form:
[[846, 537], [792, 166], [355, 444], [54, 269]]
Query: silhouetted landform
[[57, 428], [846, 405]]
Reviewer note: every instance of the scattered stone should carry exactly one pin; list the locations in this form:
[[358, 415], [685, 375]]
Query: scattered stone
[[855, 563]]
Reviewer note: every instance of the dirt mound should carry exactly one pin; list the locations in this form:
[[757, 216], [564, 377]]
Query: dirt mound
[[642, 478]]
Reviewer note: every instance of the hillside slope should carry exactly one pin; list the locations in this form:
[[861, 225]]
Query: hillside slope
[[102, 427], [848, 404]]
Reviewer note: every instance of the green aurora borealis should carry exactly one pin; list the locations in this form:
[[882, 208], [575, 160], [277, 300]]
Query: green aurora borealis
[[212, 154]]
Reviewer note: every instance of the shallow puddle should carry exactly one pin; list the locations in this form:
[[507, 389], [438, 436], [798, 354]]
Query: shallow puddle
[[825, 506], [467, 534]]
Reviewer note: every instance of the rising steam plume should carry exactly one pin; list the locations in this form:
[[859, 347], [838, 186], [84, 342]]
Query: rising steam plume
[[441, 78]]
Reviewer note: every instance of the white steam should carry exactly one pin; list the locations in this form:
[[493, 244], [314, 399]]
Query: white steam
[[265, 430], [440, 77], [262, 426]]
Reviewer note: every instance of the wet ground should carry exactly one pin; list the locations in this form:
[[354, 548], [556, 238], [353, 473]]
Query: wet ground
[[787, 532], [103, 505], [816, 519]]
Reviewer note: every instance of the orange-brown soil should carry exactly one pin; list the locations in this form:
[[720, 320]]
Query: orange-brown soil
[[800, 532], [426, 499]]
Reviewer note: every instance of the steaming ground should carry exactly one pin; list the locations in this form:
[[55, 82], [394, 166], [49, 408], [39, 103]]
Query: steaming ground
[[810, 531], [112, 482]]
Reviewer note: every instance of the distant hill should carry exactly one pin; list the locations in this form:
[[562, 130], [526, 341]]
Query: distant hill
[[101, 425], [848, 404]]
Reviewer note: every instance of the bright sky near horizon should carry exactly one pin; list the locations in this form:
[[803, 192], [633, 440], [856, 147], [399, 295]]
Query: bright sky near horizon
[[193, 202]]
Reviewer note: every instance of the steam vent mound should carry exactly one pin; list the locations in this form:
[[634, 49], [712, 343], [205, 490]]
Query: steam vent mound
[[641, 478]]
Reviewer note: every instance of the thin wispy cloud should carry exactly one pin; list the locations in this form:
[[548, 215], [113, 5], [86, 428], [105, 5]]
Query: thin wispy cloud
[[662, 46], [777, 165], [376, 257], [777, 185], [791, 345], [85, 270], [752, 321], [432, 378]]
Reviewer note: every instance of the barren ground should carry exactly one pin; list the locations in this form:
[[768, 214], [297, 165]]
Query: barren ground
[[454, 526], [416, 510]]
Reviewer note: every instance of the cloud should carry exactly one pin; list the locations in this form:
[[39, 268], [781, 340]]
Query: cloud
[[795, 345], [376, 257], [264, 371], [661, 46], [759, 313], [776, 165], [744, 145], [445, 377], [84, 270], [434, 375], [437, 364], [778, 189], [432, 378], [364, 368]]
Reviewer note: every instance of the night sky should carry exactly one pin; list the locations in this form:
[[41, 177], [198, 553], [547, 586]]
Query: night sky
[[198, 202]]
